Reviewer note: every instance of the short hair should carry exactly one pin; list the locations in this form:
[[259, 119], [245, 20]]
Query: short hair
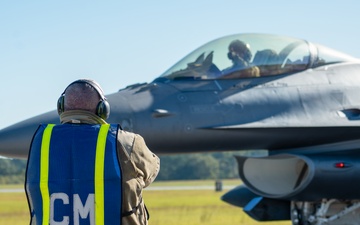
[[81, 96]]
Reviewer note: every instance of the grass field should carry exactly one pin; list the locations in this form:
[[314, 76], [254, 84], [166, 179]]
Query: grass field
[[175, 207]]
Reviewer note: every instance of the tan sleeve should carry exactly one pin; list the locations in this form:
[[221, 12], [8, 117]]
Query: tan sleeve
[[146, 162], [139, 168], [141, 163]]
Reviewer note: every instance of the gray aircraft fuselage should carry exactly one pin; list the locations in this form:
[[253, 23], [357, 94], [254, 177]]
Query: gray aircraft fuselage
[[178, 112]]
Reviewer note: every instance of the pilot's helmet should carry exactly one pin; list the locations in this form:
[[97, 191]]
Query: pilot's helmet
[[240, 49]]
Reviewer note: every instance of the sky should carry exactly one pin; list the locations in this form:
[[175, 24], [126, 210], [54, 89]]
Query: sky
[[45, 45]]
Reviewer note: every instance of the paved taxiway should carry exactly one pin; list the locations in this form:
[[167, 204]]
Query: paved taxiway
[[155, 188]]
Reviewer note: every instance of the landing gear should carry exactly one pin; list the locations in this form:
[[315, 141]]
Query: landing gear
[[326, 212]]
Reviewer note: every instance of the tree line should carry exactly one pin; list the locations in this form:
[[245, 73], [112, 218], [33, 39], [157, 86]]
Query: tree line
[[217, 165]]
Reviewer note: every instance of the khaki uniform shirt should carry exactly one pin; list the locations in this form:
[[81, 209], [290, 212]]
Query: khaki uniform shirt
[[139, 166]]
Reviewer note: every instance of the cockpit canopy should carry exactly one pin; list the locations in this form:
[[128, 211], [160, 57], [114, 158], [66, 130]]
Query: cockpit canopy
[[253, 55]]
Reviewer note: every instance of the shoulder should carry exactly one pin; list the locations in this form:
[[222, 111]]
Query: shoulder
[[126, 140], [129, 140]]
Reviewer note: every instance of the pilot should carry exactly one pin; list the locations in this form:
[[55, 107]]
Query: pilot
[[240, 55], [86, 169]]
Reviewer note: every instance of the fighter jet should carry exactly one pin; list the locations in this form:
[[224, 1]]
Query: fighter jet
[[298, 100]]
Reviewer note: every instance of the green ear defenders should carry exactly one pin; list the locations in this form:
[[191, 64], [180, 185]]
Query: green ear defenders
[[102, 108]]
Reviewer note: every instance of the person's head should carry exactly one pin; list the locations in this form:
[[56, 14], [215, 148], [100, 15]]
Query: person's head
[[238, 48], [84, 94]]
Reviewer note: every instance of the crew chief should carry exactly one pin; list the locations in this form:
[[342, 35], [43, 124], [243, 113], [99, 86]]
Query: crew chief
[[83, 108]]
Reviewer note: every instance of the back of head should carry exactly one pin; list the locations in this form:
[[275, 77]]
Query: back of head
[[241, 49], [84, 94]]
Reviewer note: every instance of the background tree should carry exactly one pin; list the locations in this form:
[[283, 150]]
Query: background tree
[[217, 165]]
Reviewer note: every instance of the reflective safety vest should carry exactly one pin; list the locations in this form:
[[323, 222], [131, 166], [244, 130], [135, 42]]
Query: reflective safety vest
[[73, 175]]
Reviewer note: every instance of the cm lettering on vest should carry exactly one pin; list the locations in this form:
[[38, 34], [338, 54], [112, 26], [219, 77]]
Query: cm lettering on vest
[[84, 212]]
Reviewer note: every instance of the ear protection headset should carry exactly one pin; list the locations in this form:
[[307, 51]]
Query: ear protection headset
[[102, 108]]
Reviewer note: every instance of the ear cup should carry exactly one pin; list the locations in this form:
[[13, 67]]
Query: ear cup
[[60, 104], [103, 109]]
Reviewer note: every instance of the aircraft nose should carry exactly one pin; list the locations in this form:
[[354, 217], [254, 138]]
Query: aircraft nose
[[15, 140]]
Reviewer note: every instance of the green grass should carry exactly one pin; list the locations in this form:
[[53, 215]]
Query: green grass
[[14, 208], [193, 207], [190, 207]]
